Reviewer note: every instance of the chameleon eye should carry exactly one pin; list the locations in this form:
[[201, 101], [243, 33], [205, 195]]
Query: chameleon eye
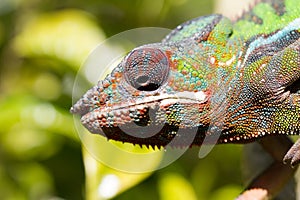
[[146, 69]]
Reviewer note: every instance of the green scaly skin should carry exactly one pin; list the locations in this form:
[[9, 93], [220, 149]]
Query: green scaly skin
[[209, 80]]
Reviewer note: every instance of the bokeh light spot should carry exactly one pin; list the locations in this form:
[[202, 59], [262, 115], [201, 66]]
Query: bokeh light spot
[[109, 186], [44, 115]]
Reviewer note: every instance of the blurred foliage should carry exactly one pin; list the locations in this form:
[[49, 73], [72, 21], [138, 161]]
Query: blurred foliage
[[42, 45]]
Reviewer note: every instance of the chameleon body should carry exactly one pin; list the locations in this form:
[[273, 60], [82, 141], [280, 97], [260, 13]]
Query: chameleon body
[[237, 80]]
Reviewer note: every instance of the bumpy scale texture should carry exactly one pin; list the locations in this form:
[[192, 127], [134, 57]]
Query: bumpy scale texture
[[242, 77]]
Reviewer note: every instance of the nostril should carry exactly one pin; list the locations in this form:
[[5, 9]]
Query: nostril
[[141, 116]]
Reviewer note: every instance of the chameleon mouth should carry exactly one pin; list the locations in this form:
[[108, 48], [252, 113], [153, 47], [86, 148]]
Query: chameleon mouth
[[144, 113]]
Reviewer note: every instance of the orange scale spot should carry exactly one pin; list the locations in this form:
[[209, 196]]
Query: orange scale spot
[[174, 64], [109, 104], [199, 83], [184, 87], [171, 81], [194, 73], [184, 72], [123, 117], [118, 75], [115, 124], [105, 84], [114, 86], [136, 93], [209, 76], [169, 54]]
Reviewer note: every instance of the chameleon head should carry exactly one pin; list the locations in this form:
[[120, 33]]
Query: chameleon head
[[143, 100], [160, 88]]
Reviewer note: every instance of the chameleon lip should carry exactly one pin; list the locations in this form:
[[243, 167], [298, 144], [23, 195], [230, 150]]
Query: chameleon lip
[[163, 101]]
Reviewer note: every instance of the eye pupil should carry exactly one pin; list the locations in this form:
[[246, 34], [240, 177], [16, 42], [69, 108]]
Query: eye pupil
[[149, 87], [142, 80]]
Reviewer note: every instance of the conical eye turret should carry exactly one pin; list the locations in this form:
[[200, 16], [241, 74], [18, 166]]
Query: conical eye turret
[[146, 69]]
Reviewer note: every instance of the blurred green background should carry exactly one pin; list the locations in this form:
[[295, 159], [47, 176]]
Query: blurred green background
[[42, 46]]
